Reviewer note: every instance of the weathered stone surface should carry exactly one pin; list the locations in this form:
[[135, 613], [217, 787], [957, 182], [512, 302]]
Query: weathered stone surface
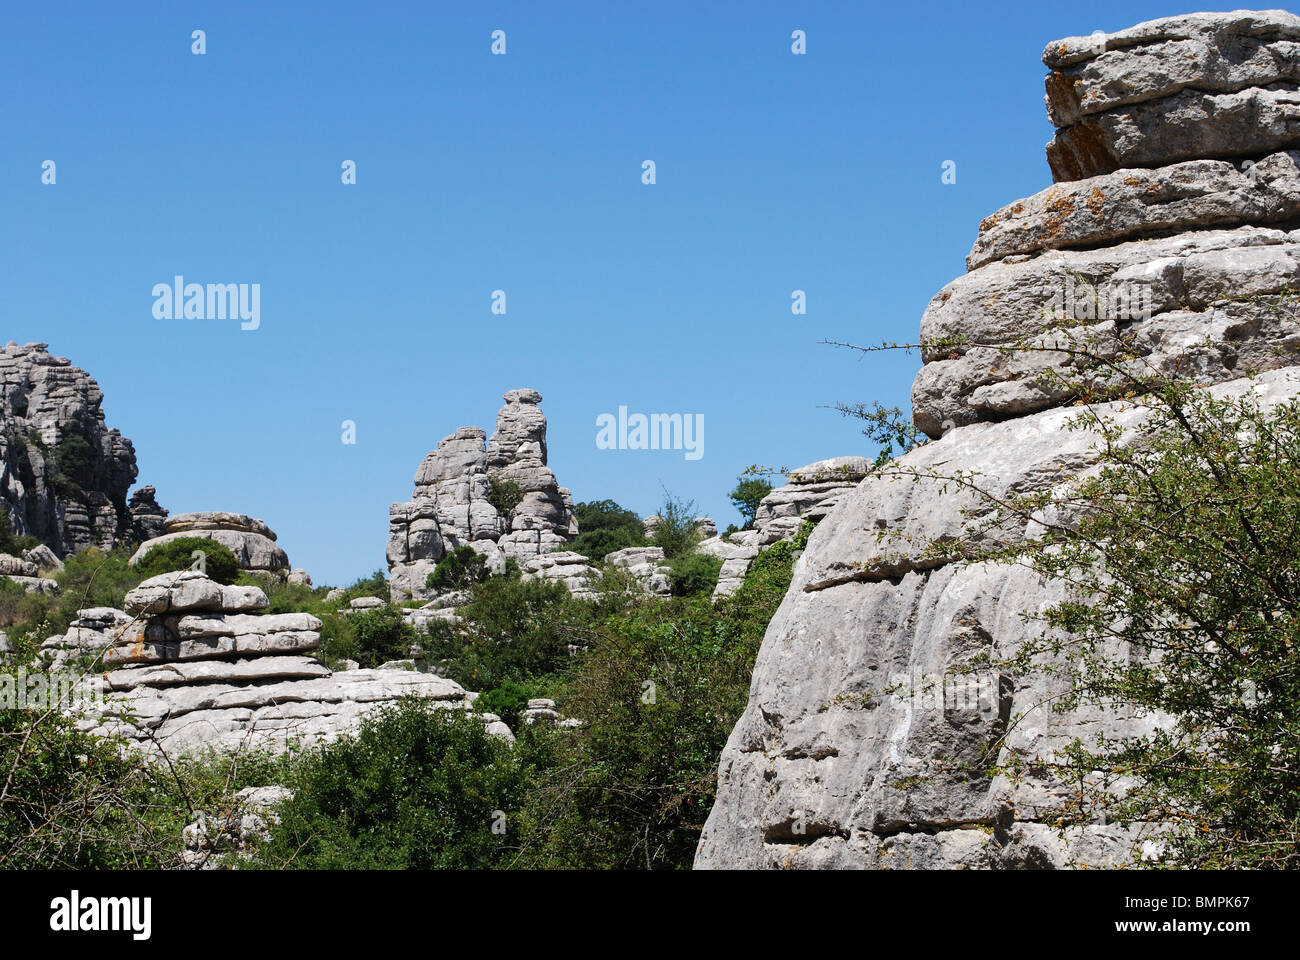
[[47, 404], [566, 567], [172, 592], [148, 519], [271, 715], [299, 576], [252, 551], [646, 564], [1214, 52], [1199, 86], [11, 566], [217, 520], [1211, 305], [834, 764], [43, 557], [209, 671], [1187, 126], [1131, 204]]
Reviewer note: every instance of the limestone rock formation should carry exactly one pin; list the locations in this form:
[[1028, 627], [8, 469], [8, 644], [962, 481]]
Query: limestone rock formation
[[249, 539], [64, 474], [191, 665], [455, 505], [646, 564], [1205, 85], [148, 519], [840, 759]]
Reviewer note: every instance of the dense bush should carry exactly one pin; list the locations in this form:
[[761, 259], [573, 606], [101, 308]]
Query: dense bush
[[504, 494], [218, 562], [417, 788], [507, 701], [375, 636], [13, 545], [694, 574], [513, 630], [603, 527], [461, 568]]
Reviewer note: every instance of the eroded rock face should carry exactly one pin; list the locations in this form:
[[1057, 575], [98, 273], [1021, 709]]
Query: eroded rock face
[[841, 758], [64, 474], [453, 505], [845, 755]]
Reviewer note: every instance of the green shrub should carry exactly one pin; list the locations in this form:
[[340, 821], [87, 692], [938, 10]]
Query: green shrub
[[512, 630], [603, 527], [218, 561], [504, 494], [461, 568], [9, 543], [676, 532], [694, 574], [379, 636], [507, 701], [746, 496], [417, 788]]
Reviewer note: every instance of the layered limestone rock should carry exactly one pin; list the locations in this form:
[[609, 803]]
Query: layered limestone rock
[[64, 474], [1176, 231], [148, 519], [454, 503], [249, 539], [646, 564], [1217, 85], [871, 720], [190, 665], [810, 493]]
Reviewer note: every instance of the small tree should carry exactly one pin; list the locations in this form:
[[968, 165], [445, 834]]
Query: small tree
[[747, 495]]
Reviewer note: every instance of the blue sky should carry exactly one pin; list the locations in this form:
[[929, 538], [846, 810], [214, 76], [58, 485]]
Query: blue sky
[[522, 173]]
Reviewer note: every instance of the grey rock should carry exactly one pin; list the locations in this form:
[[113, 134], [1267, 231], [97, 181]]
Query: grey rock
[[43, 557], [1129, 204], [1211, 305], [832, 763], [44, 402], [253, 551], [1214, 52], [1189, 125]]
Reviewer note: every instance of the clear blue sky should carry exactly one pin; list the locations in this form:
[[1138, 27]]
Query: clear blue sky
[[520, 172]]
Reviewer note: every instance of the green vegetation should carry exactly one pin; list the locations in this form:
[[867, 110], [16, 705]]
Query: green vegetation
[[418, 788], [191, 553], [9, 543], [461, 568], [504, 494], [1183, 574], [603, 527], [676, 532], [747, 495]]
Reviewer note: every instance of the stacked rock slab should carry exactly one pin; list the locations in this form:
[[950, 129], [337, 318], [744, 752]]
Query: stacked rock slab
[[453, 502], [835, 762], [1174, 226], [810, 493], [191, 665], [64, 474], [249, 539]]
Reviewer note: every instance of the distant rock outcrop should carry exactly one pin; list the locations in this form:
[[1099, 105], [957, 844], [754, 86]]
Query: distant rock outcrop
[[836, 762], [191, 665], [64, 475], [249, 539], [460, 500]]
